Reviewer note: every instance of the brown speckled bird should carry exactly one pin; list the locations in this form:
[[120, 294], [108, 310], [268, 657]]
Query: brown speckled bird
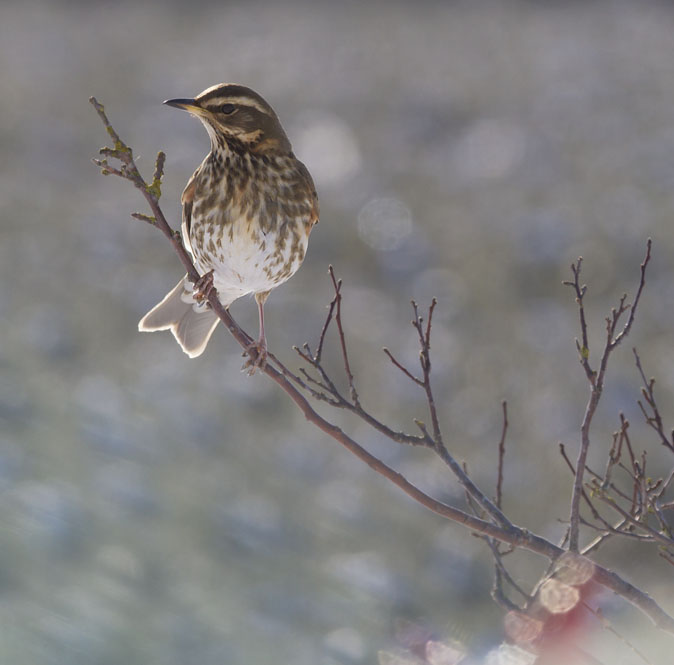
[[248, 211]]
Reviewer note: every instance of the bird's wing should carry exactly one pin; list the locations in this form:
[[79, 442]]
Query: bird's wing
[[186, 199], [309, 184]]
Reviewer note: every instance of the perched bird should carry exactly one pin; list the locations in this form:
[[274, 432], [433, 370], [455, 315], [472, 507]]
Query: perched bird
[[248, 211]]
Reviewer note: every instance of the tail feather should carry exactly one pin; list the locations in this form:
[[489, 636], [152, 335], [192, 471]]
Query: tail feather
[[192, 329]]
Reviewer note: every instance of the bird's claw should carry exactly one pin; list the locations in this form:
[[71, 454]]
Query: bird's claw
[[203, 287], [257, 356]]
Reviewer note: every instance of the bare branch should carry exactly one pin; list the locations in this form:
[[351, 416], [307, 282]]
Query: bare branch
[[580, 290], [403, 369], [652, 533], [606, 625], [501, 455], [337, 285], [599, 540], [331, 308], [424, 334], [616, 450], [653, 419], [425, 360], [502, 571], [633, 308], [597, 382], [586, 498], [502, 530]]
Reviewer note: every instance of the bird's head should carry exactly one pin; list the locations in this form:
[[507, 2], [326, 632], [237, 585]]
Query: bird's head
[[230, 111]]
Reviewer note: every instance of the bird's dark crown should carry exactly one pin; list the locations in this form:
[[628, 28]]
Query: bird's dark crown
[[232, 112]]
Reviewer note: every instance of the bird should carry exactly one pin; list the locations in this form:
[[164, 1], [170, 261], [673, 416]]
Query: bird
[[247, 213]]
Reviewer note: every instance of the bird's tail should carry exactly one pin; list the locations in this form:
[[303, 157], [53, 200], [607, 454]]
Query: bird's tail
[[191, 325]]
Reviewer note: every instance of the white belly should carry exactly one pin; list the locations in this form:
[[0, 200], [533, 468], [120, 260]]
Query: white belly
[[246, 262]]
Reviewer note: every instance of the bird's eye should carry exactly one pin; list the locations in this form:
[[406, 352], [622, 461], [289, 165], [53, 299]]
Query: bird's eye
[[227, 108]]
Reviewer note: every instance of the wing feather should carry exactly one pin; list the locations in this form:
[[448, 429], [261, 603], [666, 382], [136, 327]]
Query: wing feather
[[186, 199], [309, 187]]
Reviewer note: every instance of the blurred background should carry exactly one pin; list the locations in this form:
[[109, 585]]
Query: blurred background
[[157, 509]]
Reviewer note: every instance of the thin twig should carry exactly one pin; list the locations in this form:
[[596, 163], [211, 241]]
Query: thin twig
[[630, 535], [328, 391], [425, 360], [331, 308], [633, 308], [616, 450], [599, 540], [586, 498], [653, 419], [597, 381], [652, 534], [337, 285], [501, 455], [424, 334], [580, 291], [606, 625], [402, 368], [500, 566]]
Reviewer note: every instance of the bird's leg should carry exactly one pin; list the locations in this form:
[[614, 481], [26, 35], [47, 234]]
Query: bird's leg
[[260, 346], [262, 339], [203, 287]]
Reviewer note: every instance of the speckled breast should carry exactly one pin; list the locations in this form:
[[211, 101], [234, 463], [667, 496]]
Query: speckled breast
[[250, 224]]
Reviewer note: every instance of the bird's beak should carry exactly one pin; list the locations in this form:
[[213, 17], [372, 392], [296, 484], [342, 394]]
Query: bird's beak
[[186, 105]]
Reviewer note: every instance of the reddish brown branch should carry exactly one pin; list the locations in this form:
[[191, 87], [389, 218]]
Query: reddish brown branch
[[326, 324], [436, 439], [337, 285], [403, 369], [327, 389], [501, 455], [504, 531]]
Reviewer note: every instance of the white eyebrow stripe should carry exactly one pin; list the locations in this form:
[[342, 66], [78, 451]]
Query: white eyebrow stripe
[[205, 92], [243, 101]]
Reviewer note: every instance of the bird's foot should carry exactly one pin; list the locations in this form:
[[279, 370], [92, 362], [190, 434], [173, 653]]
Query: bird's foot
[[203, 287], [257, 356]]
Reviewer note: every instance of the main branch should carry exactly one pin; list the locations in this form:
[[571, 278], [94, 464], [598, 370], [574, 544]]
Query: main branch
[[501, 529]]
